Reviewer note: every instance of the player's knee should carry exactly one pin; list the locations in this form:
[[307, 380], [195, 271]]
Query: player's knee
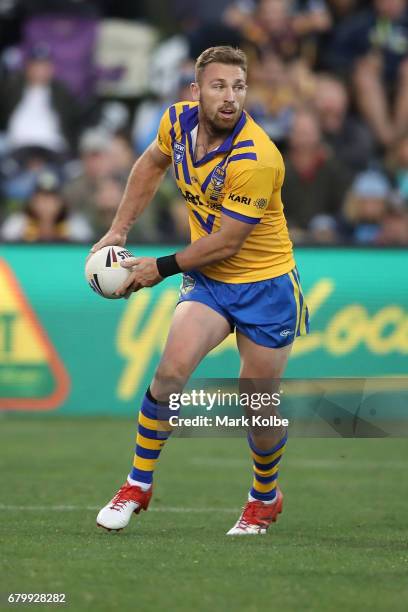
[[172, 374], [262, 370]]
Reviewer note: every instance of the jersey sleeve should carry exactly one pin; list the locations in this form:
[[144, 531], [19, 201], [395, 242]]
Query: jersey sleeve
[[249, 192], [163, 134]]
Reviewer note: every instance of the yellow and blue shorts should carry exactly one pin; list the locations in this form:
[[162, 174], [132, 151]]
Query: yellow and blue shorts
[[270, 312]]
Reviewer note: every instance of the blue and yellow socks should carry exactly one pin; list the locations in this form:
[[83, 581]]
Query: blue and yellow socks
[[266, 464], [152, 432]]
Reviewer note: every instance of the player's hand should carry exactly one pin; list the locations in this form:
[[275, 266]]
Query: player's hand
[[144, 274], [111, 238]]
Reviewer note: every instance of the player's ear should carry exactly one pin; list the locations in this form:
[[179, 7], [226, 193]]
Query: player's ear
[[195, 91]]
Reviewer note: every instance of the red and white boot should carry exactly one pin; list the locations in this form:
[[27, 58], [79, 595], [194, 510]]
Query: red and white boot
[[257, 516], [118, 512]]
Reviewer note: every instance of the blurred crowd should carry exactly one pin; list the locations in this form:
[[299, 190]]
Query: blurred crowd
[[84, 84]]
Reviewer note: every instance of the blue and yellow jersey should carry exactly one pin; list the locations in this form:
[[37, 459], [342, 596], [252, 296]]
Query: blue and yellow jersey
[[241, 178]]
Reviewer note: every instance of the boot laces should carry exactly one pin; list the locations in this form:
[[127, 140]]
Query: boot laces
[[123, 497], [255, 513]]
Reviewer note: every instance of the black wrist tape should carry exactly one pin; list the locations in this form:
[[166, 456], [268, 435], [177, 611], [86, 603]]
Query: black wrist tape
[[167, 266]]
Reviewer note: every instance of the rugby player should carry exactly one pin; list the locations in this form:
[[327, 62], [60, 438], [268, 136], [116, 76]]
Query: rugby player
[[238, 272]]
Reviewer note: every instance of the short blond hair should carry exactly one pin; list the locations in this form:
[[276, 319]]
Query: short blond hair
[[220, 55]]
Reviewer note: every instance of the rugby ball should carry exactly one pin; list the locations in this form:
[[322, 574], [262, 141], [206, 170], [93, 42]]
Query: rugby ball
[[104, 273]]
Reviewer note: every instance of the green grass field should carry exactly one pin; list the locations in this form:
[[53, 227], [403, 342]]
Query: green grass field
[[340, 544]]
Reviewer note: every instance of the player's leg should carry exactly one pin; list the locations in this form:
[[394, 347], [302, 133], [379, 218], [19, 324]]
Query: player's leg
[[266, 326], [195, 330], [261, 370]]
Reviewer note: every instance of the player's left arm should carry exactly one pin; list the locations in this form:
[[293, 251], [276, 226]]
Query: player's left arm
[[243, 207]]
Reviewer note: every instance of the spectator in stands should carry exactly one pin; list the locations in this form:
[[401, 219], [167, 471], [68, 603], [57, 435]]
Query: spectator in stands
[[18, 178], [340, 12], [70, 29], [394, 229], [366, 206], [122, 154], [210, 35], [146, 122], [316, 182], [37, 111], [272, 96], [201, 11], [279, 26], [96, 163], [180, 228], [46, 217], [164, 220], [311, 17], [348, 137], [171, 213], [323, 230], [334, 125], [108, 192], [149, 112], [273, 29], [398, 166], [376, 42]]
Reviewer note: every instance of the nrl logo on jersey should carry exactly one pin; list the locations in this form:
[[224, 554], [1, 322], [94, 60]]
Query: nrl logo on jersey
[[218, 178], [179, 150], [216, 186]]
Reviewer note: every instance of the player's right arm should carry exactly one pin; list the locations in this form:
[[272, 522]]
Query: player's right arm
[[142, 184]]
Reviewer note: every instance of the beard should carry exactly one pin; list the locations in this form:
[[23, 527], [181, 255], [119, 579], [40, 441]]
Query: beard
[[216, 124]]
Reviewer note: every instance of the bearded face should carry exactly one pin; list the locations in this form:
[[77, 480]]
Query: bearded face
[[221, 91]]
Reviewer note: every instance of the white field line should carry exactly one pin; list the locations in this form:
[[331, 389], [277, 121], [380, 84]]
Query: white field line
[[212, 461], [10, 508]]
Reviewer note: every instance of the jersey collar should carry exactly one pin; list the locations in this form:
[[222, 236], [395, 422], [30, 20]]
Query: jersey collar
[[189, 120]]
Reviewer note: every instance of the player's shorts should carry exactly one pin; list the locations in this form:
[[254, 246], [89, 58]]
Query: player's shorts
[[270, 312]]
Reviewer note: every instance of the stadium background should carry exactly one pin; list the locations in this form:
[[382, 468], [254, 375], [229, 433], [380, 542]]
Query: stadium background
[[107, 71]]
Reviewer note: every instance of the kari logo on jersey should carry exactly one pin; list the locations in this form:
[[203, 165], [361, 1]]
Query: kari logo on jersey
[[179, 151], [242, 199]]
